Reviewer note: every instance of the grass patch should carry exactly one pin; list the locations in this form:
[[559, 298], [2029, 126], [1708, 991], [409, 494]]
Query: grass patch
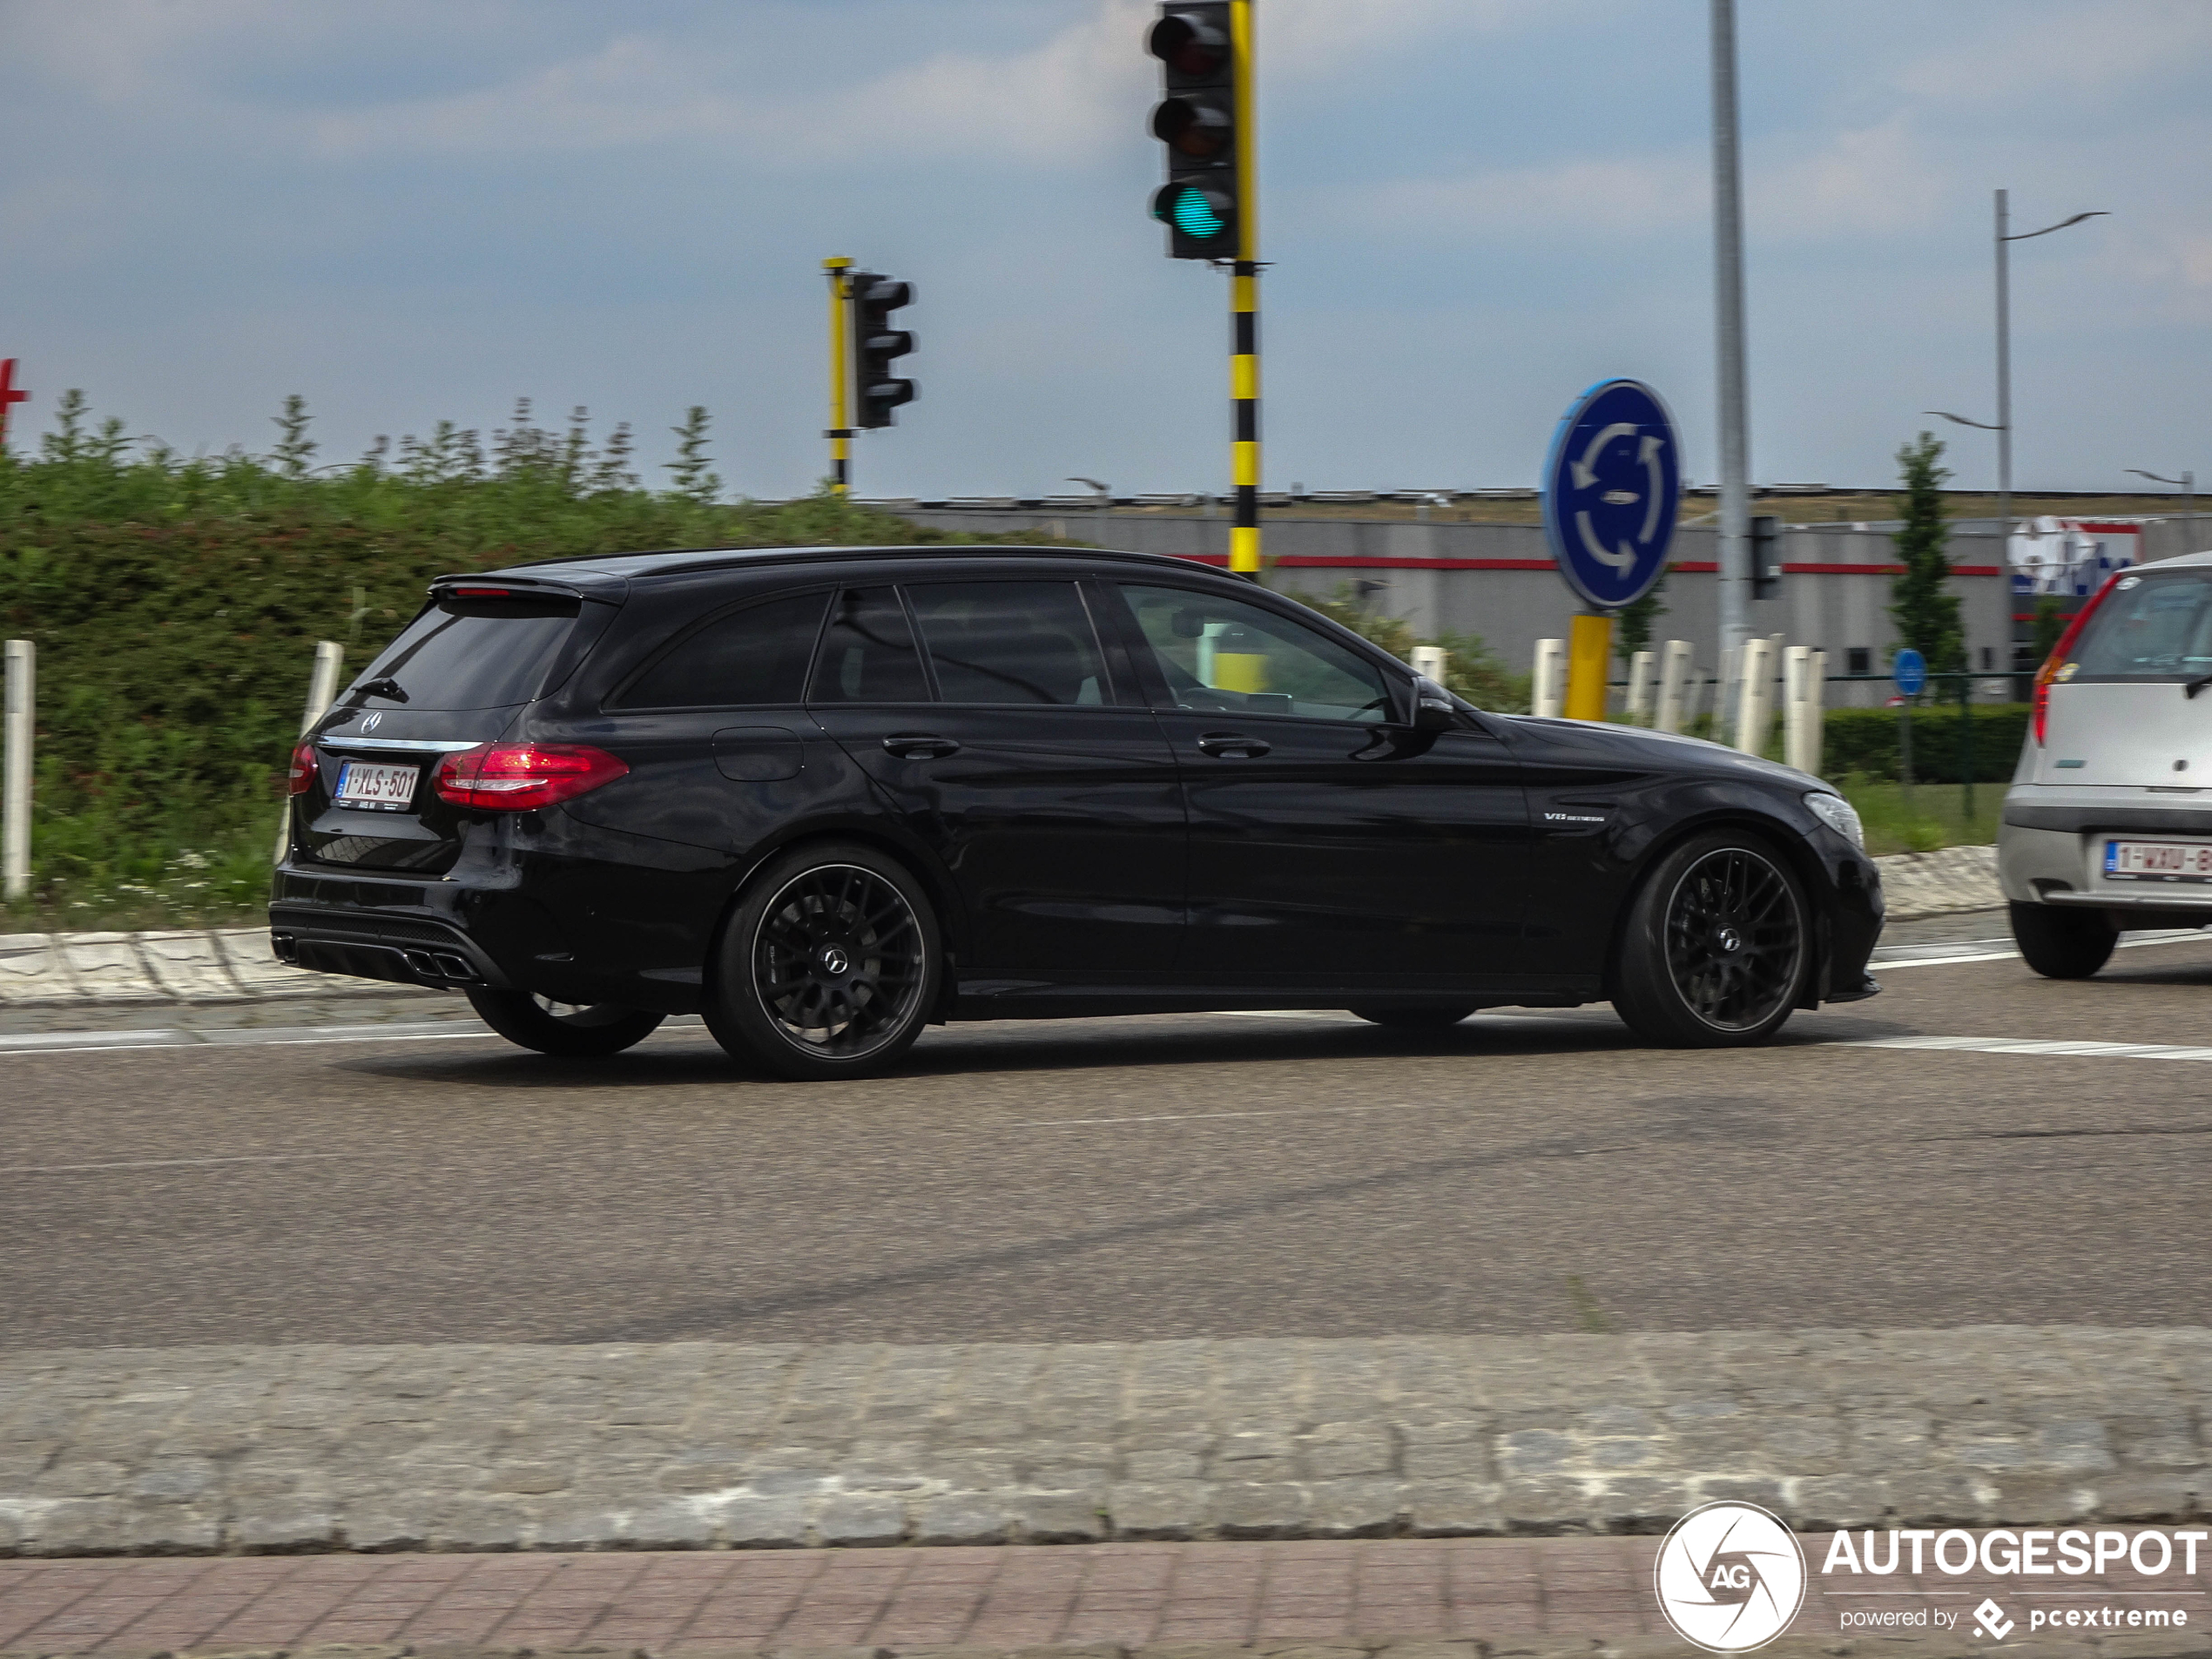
[[1934, 817]]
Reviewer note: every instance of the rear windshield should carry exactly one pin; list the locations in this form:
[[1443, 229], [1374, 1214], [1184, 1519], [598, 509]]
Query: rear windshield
[[2150, 627], [448, 662]]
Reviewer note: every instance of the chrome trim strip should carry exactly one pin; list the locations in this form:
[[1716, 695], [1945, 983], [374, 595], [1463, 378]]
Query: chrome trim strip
[[441, 746]]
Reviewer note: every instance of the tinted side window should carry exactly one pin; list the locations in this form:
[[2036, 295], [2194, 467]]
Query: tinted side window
[[757, 655], [1226, 654], [1009, 642], [868, 653]]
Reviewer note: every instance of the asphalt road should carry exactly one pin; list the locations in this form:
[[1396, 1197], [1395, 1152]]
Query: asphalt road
[[1185, 1175]]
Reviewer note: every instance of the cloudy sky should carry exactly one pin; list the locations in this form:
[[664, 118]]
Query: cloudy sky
[[407, 210]]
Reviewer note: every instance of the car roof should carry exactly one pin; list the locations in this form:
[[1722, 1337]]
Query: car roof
[[674, 561]]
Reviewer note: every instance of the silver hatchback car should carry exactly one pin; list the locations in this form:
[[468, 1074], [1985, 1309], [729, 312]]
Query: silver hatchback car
[[2109, 823]]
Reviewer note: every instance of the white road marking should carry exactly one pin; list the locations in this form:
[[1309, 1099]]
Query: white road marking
[[2028, 1046], [1943, 956], [171, 1164]]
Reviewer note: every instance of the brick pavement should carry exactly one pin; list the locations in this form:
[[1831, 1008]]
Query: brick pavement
[[720, 1446], [1508, 1594]]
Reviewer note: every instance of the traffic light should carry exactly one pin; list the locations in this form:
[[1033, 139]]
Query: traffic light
[[877, 391], [1766, 556], [1197, 120]]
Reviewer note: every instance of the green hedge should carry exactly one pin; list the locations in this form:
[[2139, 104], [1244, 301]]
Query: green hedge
[[175, 604], [1866, 741]]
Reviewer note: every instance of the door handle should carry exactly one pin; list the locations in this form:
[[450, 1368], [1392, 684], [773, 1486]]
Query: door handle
[[1225, 745], [919, 746]]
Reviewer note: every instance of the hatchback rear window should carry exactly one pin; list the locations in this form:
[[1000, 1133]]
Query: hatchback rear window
[[442, 661], [2150, 627]]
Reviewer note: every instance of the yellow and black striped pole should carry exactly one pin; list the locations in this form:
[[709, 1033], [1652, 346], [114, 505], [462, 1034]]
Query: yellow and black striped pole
[[1243, 307], [840, 426]]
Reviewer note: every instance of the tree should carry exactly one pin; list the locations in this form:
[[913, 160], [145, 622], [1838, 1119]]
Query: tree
[[692, 467], [1925, 612], [1636, 621]]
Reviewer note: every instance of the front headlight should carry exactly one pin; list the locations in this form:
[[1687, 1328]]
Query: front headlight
[[1840, 815]]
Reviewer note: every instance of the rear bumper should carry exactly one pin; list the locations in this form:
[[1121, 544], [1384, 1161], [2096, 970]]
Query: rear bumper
[[2047, 853], [372, 944]]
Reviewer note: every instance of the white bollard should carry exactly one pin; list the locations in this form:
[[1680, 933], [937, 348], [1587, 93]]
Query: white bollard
[[1798, 695], [1548, 684], [1755, 697], [1673, 683], [322, 689], [15, 772], [1639, 708], [1430, 662], [1817, 716]]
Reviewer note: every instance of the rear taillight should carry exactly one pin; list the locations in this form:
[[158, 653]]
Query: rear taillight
[[2039, 709], [302, 775], [516, 776]]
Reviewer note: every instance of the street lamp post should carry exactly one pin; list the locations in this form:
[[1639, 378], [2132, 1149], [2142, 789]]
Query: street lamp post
[[2003, 428], [1733, 400], [2187, 484]]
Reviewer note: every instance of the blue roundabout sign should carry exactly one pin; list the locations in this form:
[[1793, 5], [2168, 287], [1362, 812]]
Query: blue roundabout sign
[[1910, 672], [1612, 486]]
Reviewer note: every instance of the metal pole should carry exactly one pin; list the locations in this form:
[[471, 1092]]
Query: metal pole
[[15, 774], [2004, 388], [1966, 745], [1243, 307], [840, 426], [2189, 513], [1728, 291]]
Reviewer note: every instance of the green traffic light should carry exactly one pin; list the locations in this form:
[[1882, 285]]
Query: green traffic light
[[1194, 215]]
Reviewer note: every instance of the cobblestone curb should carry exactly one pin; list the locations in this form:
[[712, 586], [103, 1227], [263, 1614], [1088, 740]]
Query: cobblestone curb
[[701, 1445], [217, 965], [1935, 884], [1539, 1646], [233, 964]]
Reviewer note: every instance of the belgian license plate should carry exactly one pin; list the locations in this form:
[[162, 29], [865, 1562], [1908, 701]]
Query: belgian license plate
[[379, 788], [2158, 861]]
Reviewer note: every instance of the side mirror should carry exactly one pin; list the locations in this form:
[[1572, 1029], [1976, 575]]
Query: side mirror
[[1433, 706]]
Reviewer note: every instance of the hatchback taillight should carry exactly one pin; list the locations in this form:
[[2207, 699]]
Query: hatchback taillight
[[516, 776], [302, 775], [2039, 708]]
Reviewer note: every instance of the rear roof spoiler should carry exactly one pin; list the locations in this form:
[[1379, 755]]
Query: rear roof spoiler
[[496, 592]]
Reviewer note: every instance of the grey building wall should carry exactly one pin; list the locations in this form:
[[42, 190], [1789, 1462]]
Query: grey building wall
[[1511, 610]]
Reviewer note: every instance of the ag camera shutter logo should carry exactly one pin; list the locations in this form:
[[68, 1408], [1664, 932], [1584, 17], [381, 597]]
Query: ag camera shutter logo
[[1729, 1577]]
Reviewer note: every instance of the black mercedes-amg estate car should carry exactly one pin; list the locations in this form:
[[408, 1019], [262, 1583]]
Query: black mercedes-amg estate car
[[827, 796]]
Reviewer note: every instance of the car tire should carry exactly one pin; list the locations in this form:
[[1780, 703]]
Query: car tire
[[1717, 947], [1436, 1016], [2063, 944], [571, 1030], [829, 966]]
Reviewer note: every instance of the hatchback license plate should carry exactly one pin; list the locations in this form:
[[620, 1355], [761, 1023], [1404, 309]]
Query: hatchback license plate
[[2158, 861], [384, 789]]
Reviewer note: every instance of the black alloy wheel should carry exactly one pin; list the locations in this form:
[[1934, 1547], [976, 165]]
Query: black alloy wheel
[[829, 966], [576, 1031], [2063, 944], [1718, 946], [1427, 1017]]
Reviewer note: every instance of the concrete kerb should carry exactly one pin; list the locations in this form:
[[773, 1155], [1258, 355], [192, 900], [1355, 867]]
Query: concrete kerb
[[234, 964], [727, 1445], [116, 969]]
